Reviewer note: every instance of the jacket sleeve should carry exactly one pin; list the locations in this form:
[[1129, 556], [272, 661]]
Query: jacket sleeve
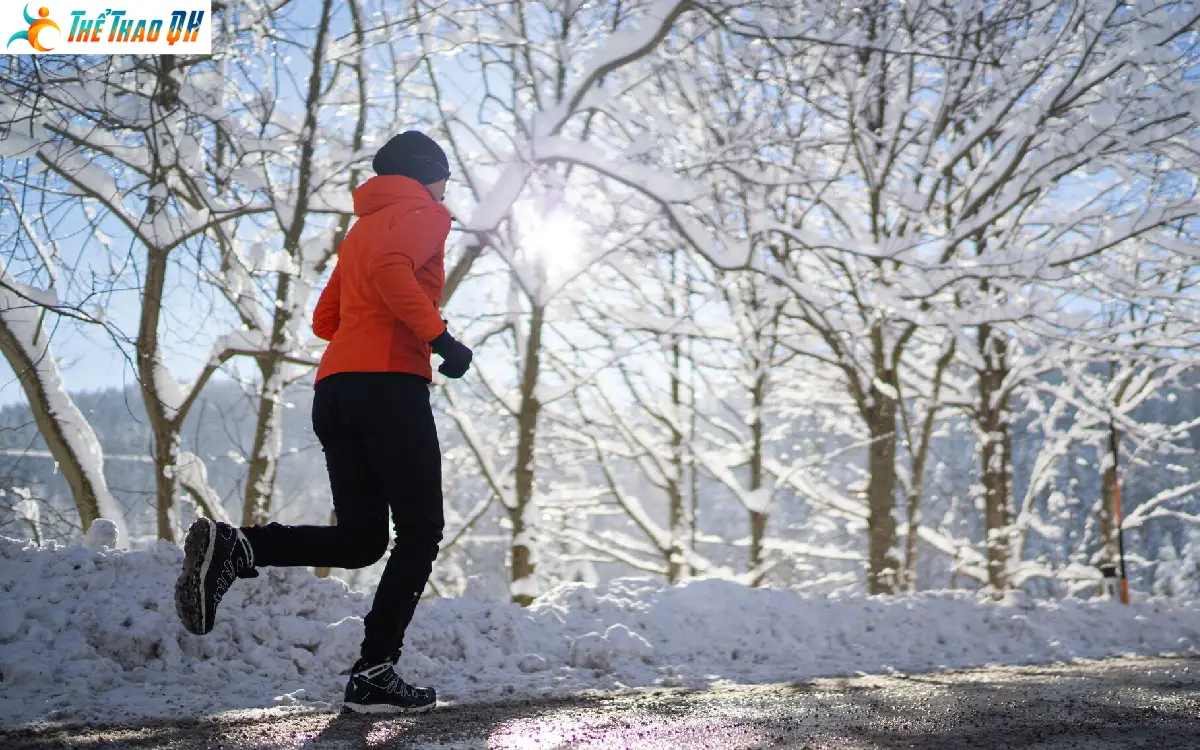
[[327, 315], [412, 240]]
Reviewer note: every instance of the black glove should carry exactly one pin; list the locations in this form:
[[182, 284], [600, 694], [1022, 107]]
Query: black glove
[[456, 356]]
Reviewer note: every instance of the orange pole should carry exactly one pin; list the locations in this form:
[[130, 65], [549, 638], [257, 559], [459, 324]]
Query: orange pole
[[1114, 446], [1120, 536]]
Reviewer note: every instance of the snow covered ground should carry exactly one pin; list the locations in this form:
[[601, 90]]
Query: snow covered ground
[[91, 634]]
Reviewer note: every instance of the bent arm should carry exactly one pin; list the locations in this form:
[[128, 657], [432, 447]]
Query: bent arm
[[327, 316]]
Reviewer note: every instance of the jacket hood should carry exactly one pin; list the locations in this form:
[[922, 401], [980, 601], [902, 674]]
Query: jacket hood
[[382, 191]]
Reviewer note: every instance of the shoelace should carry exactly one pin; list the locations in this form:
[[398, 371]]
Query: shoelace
[[399, 686], [229, 573], [225, 579], [396, 686]]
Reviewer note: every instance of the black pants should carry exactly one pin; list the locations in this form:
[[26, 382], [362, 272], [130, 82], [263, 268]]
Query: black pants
[[382, 451]]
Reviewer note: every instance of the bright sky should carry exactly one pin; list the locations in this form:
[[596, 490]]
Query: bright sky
[[89, 358]]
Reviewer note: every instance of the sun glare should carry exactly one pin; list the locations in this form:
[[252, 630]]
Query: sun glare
[[552, 240]]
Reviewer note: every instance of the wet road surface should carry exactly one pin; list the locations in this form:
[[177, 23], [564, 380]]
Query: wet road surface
[[1123, 703]]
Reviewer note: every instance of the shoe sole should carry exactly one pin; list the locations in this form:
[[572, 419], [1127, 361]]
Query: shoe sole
[[384, 708], [189, 588]]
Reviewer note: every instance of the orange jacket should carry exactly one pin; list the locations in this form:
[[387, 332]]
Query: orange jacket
[[380, 309]]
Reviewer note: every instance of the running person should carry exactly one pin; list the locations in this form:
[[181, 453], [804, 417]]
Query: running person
[[372, 414]]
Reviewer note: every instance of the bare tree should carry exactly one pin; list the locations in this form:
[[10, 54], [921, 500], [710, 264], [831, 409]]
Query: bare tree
[[131, 156]]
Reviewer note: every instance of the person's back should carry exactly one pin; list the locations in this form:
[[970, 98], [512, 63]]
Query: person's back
[[374, 317]]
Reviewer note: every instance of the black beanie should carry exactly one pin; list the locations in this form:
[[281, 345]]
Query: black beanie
[[414, 155]]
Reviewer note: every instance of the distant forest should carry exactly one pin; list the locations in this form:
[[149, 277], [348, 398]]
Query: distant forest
[[1164, 553]]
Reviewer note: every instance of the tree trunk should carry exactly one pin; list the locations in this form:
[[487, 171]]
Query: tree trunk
[[913, 523], [268, 441], [523, 515], [1110, 549], [164, 419], [881, 494], [995, 455], [677, 516], [67, 433], [758, 516], [676, 513], [879, 412], [920, 460], [162, 424], [758, 531]]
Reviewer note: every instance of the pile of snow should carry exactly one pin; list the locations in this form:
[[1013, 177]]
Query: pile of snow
[[91, 633]]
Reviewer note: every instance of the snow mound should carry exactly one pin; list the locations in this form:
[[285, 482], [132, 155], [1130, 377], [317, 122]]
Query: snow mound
[[90, 633], [102, 533]]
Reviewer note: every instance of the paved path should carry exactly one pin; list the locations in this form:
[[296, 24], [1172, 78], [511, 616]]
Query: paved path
[[1124, 703]]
